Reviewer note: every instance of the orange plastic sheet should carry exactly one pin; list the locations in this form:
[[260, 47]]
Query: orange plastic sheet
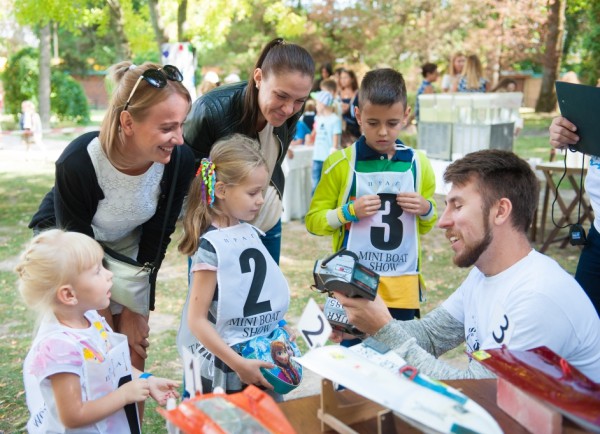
[[251, 410]]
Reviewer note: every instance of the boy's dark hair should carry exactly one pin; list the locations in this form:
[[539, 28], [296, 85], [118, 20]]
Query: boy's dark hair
[[499, 174], [428, 68], [384, 86]]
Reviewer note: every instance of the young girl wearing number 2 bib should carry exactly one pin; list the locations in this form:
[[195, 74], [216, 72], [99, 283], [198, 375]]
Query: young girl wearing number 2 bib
[[78, 373], [237, 292]]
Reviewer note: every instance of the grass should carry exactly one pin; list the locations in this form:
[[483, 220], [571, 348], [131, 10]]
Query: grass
[[21, 193]]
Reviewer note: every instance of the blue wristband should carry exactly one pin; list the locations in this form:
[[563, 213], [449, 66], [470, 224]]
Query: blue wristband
[[146, 375], [282, 323]]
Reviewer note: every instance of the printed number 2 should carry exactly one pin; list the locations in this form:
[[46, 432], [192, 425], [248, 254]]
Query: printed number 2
[[391, 219], [252, 306]]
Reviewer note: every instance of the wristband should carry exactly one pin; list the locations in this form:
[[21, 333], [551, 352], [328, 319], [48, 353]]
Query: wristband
[[282, 323], [146, 375], [429, 210], [341, 217]]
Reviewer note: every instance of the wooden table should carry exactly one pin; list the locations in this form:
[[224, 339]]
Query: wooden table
[[568, 207], [302, 412]]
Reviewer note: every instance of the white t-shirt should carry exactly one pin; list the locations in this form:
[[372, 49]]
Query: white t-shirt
[[326, 126], [533, 303]]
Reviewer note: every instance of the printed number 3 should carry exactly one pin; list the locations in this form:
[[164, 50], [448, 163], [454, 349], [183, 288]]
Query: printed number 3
[[252, 306], [392, 221]]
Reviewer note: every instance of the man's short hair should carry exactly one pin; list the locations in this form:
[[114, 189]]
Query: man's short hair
[[428, 68], [384, 86], [499, 174]]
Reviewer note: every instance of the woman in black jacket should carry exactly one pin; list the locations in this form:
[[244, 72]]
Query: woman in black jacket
[[114, 185], [267, 108]]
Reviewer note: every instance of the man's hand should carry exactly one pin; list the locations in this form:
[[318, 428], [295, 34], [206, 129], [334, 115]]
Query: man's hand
[[562, 133], [367, 316]]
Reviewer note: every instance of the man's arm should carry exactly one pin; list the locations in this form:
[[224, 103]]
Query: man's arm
[[419, 342]]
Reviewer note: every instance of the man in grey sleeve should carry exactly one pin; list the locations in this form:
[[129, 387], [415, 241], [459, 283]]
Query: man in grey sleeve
[[513, 296]]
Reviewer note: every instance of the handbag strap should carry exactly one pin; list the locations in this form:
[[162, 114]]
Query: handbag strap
[[164, 228]]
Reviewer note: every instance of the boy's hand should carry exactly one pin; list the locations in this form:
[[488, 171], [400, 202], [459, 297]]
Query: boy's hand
[[367, 205], [135, 390], [413, 203], [162, 389], [249, 372]]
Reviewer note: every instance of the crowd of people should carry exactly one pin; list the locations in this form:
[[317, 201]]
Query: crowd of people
[[217, 162]]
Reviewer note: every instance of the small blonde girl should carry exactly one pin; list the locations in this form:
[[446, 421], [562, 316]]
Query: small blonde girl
[[78, 374], [237, 291]]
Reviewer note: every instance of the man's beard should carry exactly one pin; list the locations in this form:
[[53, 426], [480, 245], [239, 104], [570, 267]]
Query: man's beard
[[471, 254]]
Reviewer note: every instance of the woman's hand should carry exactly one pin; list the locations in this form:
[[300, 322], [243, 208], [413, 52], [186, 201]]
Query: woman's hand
[[135, 327]]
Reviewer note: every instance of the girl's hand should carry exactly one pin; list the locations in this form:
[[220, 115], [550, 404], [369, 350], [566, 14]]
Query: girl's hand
[[249, 372], [367, 205], [162, 389], [413, 203], [135, 390]]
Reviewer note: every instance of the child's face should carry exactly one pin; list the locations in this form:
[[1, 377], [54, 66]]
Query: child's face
[[381, 125], [432, 76], [242, 201], [92, 288]]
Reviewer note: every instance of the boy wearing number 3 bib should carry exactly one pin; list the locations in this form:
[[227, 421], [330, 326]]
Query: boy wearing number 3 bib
[[237, 292], [376, 197]]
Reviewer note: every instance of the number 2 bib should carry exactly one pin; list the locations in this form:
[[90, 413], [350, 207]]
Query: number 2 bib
[[253, 293], [386, 242]]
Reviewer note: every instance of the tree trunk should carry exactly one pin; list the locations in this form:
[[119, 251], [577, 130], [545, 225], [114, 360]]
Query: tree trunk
[[181, 18], [556, 24], [44, 83], [118, 25], [159, 31]]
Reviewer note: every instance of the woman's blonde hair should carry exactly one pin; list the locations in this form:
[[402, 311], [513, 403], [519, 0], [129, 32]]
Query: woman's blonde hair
[[52, 259], [234, 157], [451, 68], [124, 76], [473, 72]]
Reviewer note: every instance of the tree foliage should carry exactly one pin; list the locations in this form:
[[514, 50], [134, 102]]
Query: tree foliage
[[20, 80]]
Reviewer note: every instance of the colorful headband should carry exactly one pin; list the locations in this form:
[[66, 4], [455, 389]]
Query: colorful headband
[[208, 178]]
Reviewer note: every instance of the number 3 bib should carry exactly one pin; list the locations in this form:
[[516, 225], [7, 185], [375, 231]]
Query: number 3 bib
[[386, 242]]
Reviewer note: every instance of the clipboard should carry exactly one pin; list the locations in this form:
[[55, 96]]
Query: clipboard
[[580, 104]]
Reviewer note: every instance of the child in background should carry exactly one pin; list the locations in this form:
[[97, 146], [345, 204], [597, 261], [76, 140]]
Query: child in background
[[304, 126], [430, 75], [76, 369], [329, 85], [327, 133], [376, 197], [31, 125], [227, 302]]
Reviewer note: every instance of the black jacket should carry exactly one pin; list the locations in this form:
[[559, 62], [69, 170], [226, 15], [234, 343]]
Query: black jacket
[[73, 201], [217, 114]]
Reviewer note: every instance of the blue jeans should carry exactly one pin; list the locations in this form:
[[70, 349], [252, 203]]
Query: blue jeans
[[272, 241], [317, 168], [588, 268]]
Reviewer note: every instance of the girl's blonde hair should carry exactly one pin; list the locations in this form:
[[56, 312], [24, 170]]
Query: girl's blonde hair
[[124, 76], [234, 157], [52, 259], [473, 72]]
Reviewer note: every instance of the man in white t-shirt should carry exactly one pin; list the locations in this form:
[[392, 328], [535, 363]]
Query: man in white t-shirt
[[513, 296]]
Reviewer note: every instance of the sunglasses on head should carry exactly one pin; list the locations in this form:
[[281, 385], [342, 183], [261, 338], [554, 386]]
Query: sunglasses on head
[[156, 78]]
